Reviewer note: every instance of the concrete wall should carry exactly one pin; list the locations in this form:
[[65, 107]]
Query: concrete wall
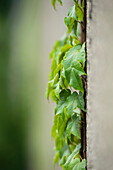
[[100, 84]]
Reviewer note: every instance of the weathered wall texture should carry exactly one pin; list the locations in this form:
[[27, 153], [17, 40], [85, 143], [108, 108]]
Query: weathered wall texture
[[100, 84]]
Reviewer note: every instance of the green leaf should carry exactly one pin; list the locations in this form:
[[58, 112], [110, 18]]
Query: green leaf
[[77, 66], [53, 96], [57, 47], [53, 68], [60, 2], [59, 142], [82, 4], [63, 82], [57, 90], [76, 1], [54, 128], [74, 101], [81, 101], [48, 90], [59, 125], [73, 163], [62, 102], [66, 154], [73, 127], [72, 156], [71, 103], [53, 88], [74, 54], [73, 68], [54, 2], [56, 157], [64, 49], [74, 79], [71, 19], [74, 40], [79, 12], [80, 165]]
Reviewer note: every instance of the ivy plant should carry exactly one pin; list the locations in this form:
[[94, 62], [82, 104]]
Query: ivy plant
[[65, 87]]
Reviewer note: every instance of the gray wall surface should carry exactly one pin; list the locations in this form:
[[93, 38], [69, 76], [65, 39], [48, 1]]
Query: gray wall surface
[[100, 84]]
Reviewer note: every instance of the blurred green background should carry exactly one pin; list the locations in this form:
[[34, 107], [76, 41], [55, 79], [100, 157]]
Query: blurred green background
[[28, 30]]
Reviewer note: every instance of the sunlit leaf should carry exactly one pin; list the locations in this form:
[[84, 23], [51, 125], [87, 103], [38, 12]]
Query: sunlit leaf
[[79, 12], [71, 19]]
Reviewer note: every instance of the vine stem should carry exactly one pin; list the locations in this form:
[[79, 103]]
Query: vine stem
[[81, 24], [83, 125]]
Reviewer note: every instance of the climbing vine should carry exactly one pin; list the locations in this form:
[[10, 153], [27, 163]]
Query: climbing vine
[[65, 87]]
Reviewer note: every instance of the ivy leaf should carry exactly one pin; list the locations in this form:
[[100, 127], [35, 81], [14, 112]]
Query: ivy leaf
[[54, 2], [52, 94], [53, 68], [54, 131], [63, 82], [76, 1], [57, 90], [62, 102], [48, 90], [73, 127], [66, 154], [77, 66], [50, 87], [74, 79], [80, 165], [73, 39], [79, 12], [54, 84], [57, 46], [73, 68], [72, 156], [56, 157], [64, 49], [76, 53], [58, 68], [59, 125], [61, 79], [59, 142], [71, 103], [71, 19], [60, 2], [83, 4], [74, 102], [73, 163]]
